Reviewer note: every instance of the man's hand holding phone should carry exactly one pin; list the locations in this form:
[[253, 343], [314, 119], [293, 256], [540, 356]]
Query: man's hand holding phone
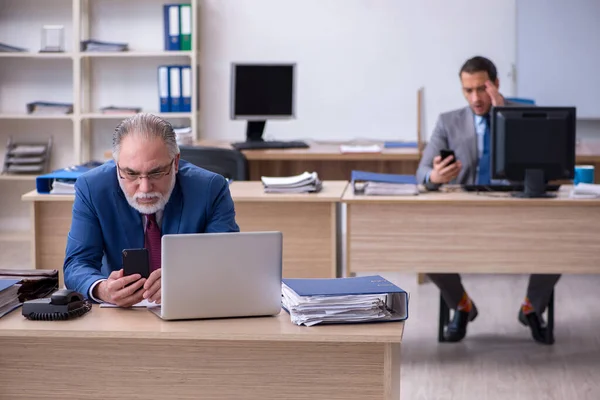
[[446, 169], [120, 290]]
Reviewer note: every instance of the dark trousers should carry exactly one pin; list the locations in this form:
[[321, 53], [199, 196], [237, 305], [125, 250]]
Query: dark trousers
[[539, 289]]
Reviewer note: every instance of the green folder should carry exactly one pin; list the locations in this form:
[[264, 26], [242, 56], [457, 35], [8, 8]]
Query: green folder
[[185, 26]]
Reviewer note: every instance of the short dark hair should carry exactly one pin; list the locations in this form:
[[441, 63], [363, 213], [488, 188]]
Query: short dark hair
[[478, 64]]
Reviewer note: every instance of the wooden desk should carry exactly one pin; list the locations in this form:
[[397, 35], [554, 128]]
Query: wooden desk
[[326, 159], [468, 233], [132, 354], [331, 164], [308, 223]]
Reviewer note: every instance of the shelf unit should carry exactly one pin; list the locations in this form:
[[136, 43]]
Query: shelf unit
[[87, 79]]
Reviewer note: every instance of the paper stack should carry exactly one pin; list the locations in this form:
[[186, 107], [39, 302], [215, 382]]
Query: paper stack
[[120, 110], [585, 191], [96, 45], [9, 295], [49, 108], [184, 136], [390, 189], [20, 285], [378, 184], [63, 186], [6, 48], [355, 148], [343, 300], [304, 183]]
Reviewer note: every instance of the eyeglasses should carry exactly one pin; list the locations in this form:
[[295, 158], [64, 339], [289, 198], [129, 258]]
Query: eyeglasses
[[133, 176]]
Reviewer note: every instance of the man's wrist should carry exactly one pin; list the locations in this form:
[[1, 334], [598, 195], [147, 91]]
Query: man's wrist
[[95, 291], [429, 180]]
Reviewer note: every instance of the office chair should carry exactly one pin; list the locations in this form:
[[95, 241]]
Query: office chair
[[521, 100], [229, 163]]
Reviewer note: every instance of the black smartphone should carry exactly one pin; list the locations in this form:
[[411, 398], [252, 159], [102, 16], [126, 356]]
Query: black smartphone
[[136, 261], [447, 153]]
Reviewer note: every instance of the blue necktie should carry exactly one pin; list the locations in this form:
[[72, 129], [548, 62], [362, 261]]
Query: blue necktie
[[484, 162]]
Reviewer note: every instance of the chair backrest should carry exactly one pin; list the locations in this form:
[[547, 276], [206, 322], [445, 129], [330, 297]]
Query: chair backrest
[[232, 164], [520, 100]]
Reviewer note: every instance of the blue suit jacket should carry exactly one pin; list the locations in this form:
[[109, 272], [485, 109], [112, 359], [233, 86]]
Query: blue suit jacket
[[104, 223]]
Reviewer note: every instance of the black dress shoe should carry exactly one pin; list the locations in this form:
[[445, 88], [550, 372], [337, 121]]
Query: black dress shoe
[[538, 328], [457, 328]]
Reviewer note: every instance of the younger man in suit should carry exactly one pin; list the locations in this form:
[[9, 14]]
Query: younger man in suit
[[130, 202], [466, 131]]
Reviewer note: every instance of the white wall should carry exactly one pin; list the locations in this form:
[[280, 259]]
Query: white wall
[[360, 62]]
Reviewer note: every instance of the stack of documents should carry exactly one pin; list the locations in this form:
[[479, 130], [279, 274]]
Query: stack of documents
[[20, 285], [6, 48], [63, 186], [120, 110], [585, 191], [44, 107], [96, 45], [304, 183], [357, 148], [184, 136], [9, 295], [343, 300], [62, 181], [377, 184]]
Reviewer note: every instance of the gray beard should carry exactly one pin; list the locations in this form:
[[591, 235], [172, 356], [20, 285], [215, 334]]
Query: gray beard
[[152, 208]]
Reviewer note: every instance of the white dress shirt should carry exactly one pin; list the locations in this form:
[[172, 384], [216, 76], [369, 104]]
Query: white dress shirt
[[159, 215]]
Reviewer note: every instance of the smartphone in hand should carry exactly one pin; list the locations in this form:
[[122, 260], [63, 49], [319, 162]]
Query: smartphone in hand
[[136, 261], [444, 153]]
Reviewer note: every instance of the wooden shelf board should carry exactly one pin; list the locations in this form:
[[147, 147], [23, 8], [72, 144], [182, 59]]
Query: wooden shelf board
[[37, 116], [123, 116], [134, 54], [37, 55]]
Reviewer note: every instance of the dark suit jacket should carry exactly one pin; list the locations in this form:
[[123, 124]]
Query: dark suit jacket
[[454, 130]]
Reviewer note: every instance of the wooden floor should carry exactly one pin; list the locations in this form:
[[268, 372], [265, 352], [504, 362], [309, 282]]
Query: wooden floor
[[498, 359]]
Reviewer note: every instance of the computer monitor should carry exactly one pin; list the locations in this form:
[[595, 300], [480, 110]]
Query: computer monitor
[[260, 92], [533, 145]]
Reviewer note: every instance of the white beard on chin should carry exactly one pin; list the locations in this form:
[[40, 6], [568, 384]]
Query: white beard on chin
[[149, 208]]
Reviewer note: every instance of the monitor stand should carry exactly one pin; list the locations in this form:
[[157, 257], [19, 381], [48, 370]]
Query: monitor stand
[[255, 141], [254, 131], [534, 185]]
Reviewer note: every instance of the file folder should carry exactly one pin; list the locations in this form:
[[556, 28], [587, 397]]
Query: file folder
[[186, 88], [185, 27], [400, 145], [364, 176], [43, 183], [175, 88], [163, 89], [343, 300], [171, 22]]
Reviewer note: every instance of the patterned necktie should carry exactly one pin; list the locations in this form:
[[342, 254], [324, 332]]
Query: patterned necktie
[[152, 241], [484, 162]]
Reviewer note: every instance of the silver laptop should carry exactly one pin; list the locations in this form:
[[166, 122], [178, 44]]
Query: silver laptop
[[220, 275]]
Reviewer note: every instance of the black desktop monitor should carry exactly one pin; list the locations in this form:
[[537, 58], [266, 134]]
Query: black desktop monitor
[[533, 145], [260, 92]]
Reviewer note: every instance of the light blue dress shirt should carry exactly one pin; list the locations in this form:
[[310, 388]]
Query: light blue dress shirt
[[480, 129]]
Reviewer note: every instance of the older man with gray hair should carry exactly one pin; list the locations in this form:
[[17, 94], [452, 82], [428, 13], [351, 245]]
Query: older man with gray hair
[[130, 202]]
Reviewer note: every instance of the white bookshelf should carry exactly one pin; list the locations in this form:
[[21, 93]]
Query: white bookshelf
[[88, 80]]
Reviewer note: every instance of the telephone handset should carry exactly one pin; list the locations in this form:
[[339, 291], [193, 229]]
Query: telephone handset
[[64, 304]]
